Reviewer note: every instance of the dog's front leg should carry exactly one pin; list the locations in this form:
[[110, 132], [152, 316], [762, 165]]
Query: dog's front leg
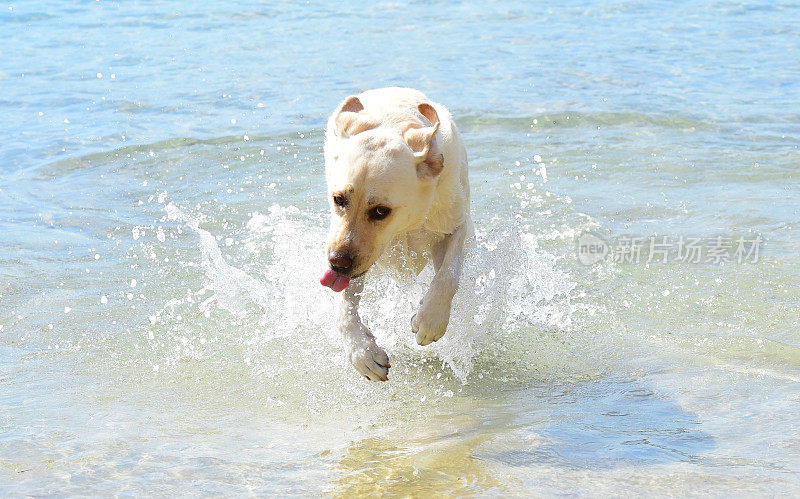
[[366, 356], [430, 322]]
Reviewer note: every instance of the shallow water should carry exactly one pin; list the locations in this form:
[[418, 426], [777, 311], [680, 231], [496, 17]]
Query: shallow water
[[162, 211]]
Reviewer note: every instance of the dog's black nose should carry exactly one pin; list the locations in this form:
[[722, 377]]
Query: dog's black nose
[[340, 261]]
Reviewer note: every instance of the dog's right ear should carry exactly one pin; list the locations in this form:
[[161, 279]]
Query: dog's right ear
[[350, 120]]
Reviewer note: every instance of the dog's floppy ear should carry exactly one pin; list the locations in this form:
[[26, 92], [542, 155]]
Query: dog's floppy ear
[[421, 141], [350, 120]]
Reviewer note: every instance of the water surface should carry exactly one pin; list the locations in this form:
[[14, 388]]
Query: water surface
[[162, 212]]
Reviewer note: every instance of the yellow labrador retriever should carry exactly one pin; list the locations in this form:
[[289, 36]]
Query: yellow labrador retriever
[[397, 185]]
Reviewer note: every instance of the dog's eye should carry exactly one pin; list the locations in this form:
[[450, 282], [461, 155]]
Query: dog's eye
[[339, 200], [379, 212]]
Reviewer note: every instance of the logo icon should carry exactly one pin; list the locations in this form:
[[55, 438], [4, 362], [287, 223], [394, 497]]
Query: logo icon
[[590, 248]]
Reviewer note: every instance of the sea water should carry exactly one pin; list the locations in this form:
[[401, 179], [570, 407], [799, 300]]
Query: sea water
[[163, 213]]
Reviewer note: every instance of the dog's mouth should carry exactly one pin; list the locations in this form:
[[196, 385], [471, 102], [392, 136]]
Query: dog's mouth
[[337, 281], [334, 280]]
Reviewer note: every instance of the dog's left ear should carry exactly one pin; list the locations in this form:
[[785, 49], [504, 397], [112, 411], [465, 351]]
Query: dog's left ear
[[423, 144]]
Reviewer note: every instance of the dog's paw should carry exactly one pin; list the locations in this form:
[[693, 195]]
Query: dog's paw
[[370, 360], [430, 323]]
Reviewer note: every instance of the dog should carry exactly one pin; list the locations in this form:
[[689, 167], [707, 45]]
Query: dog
[[398, 188]]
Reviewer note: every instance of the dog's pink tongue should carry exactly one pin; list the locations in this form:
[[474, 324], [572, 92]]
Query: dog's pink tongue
[[336, 282]]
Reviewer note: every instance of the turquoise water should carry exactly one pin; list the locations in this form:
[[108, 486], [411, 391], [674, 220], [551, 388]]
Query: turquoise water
[[162, 214]]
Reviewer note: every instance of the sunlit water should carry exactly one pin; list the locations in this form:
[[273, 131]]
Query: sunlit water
[[162, 214]]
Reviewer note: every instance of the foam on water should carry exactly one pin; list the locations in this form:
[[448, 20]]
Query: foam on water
[[507, 288]]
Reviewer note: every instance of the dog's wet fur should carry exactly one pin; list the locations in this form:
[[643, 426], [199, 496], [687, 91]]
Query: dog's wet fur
[[396, 170]]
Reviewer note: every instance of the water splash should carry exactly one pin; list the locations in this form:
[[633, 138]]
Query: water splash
[[508, 288]]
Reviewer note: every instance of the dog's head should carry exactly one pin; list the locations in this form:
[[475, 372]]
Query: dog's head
[[381, 179]]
